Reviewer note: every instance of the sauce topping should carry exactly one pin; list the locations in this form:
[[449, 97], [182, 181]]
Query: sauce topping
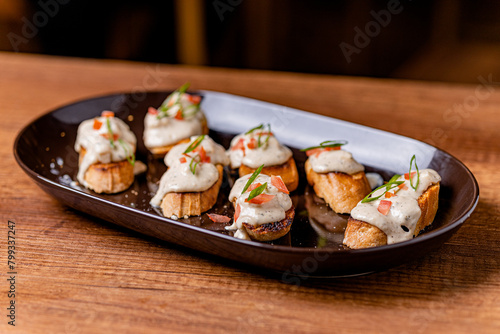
[[397, 211], [214, 151], [374, 179], [268, 207], [178, 117], [180, 178], [105, 139], [335, 161], [256, 148]]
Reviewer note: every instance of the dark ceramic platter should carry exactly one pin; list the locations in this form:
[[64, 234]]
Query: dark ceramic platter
[[44, 150]]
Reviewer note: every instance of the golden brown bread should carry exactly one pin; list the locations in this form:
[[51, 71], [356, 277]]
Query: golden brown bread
[[271, 231], [359, 234], [108, 178], [192, 203], [287, 171], [340, 191], [161, 151]]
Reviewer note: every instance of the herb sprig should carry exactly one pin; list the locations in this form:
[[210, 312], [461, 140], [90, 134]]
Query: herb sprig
[[394, 184], [196, 160], [194, 163], [110, 133], [194, 144], [258, 127], [267, 138], [412, 161], [388, 186], [130, 155], [259, 136], [128, 150], [166, 105], [191, 111], [252, 178], [257, 191], [326, 144]]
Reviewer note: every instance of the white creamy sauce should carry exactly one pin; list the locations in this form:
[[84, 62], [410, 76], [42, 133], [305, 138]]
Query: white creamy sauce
[[400, 223], [216, 152], [179, 178], [98, 146], [257, 214], [241, 234], [374, 179], [168, 130], [139, 167], [335, 161], [270, 154]]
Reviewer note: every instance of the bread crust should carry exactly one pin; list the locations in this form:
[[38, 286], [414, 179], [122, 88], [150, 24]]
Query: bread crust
[[340, 191], [191, 203], [360, 234], [287, 171], [161, 151], [110, 178], [271, 231]]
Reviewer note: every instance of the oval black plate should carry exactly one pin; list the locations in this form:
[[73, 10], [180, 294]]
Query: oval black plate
[[44, 150]]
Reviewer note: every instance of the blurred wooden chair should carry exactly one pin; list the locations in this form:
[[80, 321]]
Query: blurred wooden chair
[[461, 47], [191, 32], [11, 14]]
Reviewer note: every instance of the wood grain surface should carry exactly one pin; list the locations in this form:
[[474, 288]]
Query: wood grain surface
[[77, 274]]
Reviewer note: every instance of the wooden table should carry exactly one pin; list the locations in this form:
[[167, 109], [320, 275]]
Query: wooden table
[[77, 274]]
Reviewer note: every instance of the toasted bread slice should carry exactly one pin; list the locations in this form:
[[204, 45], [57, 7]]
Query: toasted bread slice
[[271, 231], [340, 191], [108, 178], [287, 171], [359, 234], [191, 203], [161, 151]]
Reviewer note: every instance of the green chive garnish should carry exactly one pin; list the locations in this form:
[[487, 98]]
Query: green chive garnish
[[259, 144], [327, 143], [303, 213], [194, 144], [126, 148], [164, 106], [256, 192], [184, 88], [322, 241], [110, 133], [261, 127], [258, 127], [413, 158], [394, 178], [388, 186], [191, 111], [192, 166], [252, 178]]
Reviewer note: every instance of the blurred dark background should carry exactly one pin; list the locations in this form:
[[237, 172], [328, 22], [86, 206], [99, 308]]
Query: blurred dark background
[[443, 40]]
